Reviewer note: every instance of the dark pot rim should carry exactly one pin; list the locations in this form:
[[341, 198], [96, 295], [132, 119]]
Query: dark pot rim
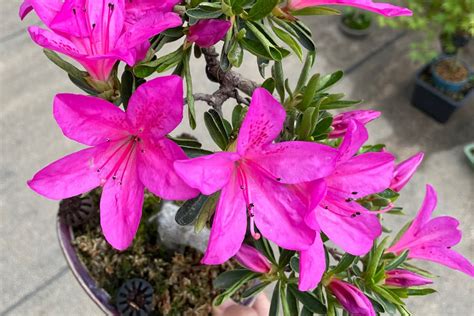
[[445, 57], [357, 33]]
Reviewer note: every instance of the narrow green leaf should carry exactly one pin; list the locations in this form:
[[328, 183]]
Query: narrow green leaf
[[307, 124], [82, 84], [275, 301], [207, 211], [397, 261], [386, 294], [217, 135], [306, 312], [228, 279], [254, 290], [344, 264], [237, 116], [284, 301], [337, 105], [269, 84], [375, 258], [295, 264], [309, 92], [290, 41], [236, 54], [189, 90], [279, 77], [64, 65], [309, 300], [308, 63], [233, 288], [189, 211], [285, 257], [261, 9], [264, 246], [292, 303], [420, 292], [220, 122], [329, 80]]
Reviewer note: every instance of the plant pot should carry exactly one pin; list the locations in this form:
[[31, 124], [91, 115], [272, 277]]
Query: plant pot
[[432, 101], [98, 295], [444, 84], [469, 151], [354, 33]]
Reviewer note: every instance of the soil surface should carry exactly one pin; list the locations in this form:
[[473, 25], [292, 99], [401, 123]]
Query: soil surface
[[451, 70]]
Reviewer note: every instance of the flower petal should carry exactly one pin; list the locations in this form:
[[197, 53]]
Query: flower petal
[[229, 225], [279, 213], [354, 234], [206, 33], [444, 256], [341, 120], [207, 173], [89, 120], [46, 10], [121, 208], [262, 124], [156, 107], [136, 9], [69, 176], [50, 40], [252, 259], [404, 171], [356, 136], [312, 265], [296, 162], [351, 298], [25, 8], [362, 175], [156, 172]]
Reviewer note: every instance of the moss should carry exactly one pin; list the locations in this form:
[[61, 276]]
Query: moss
[[182, 286]]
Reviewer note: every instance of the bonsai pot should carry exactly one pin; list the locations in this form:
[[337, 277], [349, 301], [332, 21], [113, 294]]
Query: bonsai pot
[[469, 151], [356, 31], [440, 80], [438, 104]]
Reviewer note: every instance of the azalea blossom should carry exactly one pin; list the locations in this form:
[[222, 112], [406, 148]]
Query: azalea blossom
[[405, 278], [129, 151], [333, 207], [385, 9], [432, 239], [253, 181], [404, 171], [206, 33], [252, 259], [340, 121], [98, 33], [351, 298]]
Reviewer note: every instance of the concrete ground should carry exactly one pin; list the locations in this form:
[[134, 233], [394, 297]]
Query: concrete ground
[[34, 277]]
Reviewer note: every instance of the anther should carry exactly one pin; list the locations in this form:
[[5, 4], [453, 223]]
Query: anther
[[74, 11], [357, 213], [278, 179], [354, 192], [349, 199], [353, 215], [242, 187]]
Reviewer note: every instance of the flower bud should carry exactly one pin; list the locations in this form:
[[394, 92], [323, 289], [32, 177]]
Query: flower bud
[[405, 278], [252, 259], [351, 298]]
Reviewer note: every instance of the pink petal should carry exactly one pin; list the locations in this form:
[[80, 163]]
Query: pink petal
[[351, 298], [354, 234], [404, 171], [429, 204], [362, 175], [136, 9], [207, 173], [311, 193], [312, 265], [46, 10], [341, 120], [444, 256], [50, 40], [156, 172], [121, 208], [69, 176], [279, 214], [89, 120], [385, 9], [440, 231], [356, 136], [229, 225], [156, 107], [405, 278], [99, 67], [206, 33], [296, 162], [108, 17], [262, 124], [252, 259], [25, 8]]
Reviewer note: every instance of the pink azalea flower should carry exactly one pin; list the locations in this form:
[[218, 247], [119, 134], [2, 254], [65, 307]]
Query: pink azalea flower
[[404, 171], [252, 182], [385, 9], [206, 33], [95, 33], [252, 259], [405, 278], [351, 298], [332, 205], [341, 120], [432, 239], [129, 151]]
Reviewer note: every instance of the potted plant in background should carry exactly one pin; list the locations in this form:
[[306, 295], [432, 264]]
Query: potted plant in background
[[445, 83], [355, 23], [288, 169]]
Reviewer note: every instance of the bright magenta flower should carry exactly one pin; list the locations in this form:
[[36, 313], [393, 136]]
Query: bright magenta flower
[[432, 239], [385, 9], [252, 259], [97, 33], [206, 33], [129, 152], [405, 278], [351, 298], [340, 121], [252, 182], [332, 205], [404, 171]]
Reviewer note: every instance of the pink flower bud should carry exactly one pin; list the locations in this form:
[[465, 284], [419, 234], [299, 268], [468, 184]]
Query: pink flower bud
[[405, 278], [252, 259], [341, 121], [404, 171], [351, 298], [206, 33]]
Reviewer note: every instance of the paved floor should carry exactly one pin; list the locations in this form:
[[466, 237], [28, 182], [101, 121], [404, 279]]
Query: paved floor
[[34, 277]]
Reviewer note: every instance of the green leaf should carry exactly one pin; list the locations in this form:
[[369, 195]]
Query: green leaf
[[397, 261], [344, 264], [284, 301], [337, 105], [232, 283], [417, 270], [323, 125], [216, 128], [309, 92], [189, 90], [261, 9], [389, 195], [264, 38], [306, 312], [275, 301], [420, 291], [64, 65], [207, 211], [82, 84], [328, 80], [290, 41], [285, 257], [269, 84], [164, 63], [188, 142], [236, 54], [292, 303], [193, 152], [204, 11], [237, 116], [264, 246], [308, 63], [189, 211], [279, 77], [295, 264], [309, 300], [386, 294], [308, 123], [126, 87], [374, 258], [316, 11], [228, 279], [302, 36], [254, 290]]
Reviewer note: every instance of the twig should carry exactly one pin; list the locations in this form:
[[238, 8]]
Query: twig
[[335, 254]]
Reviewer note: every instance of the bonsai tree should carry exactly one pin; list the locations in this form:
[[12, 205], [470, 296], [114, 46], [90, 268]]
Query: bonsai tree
[[290, 175]]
